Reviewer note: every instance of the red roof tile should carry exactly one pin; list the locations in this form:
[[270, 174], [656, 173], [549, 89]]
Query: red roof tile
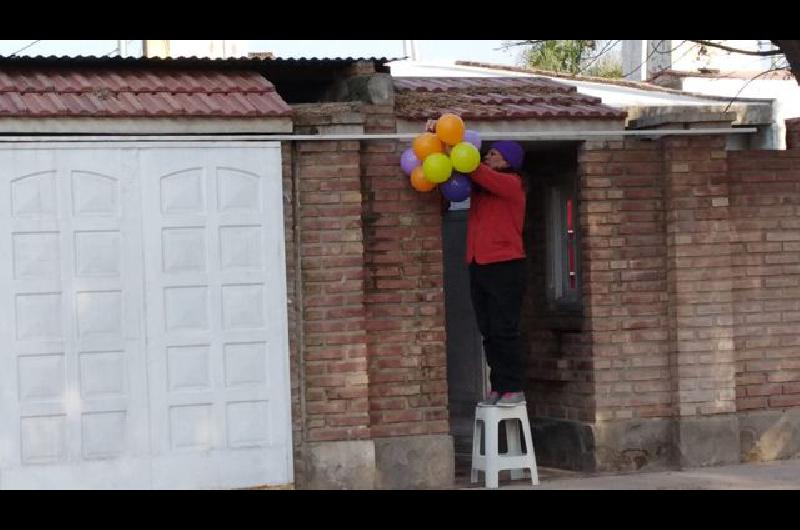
[[103, 92], [496, 98]]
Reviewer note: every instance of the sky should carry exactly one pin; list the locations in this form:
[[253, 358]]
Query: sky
[[427, 50]]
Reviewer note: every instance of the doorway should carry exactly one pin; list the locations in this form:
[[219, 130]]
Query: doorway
[[467, 377], [551, 301]]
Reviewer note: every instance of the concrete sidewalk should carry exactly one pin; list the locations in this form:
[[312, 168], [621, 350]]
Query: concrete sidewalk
[[779, 475]]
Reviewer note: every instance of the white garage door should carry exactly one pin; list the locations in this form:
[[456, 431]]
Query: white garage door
[[143, 329]]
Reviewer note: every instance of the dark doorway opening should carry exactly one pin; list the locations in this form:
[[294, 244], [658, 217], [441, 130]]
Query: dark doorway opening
[[552, 297]]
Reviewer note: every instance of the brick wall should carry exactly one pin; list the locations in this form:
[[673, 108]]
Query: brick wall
[[331, 364], [293, 304], [692, 277], [701, 247], [793, 133], [331, 253], [765, 189], [364, 262], [690, 270], [624, 256], [404, 292]]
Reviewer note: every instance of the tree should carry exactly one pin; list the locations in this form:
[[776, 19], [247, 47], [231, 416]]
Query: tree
[[558, 55], [572, 57], [791, 50], [569, 57]]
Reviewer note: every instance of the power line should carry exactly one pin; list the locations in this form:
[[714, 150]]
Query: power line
[[674, 48], [738, 50], [748, 83], [24, 48], [609, 45]]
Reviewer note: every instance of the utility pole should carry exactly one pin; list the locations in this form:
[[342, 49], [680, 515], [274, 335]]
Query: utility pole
[[410, 49], [122, 48]]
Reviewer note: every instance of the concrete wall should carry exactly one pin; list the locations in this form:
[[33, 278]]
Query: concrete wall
[[785, 92]]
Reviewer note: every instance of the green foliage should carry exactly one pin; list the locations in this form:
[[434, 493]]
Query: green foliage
[[558, 55], [572, 57], [609, 67]]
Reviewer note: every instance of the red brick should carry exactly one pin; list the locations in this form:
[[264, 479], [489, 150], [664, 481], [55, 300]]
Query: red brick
[[785, 401]]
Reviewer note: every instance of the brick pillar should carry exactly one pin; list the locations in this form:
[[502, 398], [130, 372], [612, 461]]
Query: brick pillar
[[700, 283], [793, 133], [332, 265], [337, 450], [625, 302], [405, 318], [372, 354]]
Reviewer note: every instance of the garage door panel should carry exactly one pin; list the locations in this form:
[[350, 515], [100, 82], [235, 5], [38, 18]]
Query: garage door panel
[[101, 474], [56, 319], [212, 327], [96, 234], [33, 194]]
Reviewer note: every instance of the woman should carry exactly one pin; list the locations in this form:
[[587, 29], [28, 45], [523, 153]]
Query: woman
[[496, 258]]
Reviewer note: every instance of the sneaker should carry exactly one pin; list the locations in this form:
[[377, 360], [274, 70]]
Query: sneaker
[[511, 399], [490, 400]]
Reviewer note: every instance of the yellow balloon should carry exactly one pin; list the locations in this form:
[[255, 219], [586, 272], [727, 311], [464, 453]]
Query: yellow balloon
[[437, 168], [465, 157]]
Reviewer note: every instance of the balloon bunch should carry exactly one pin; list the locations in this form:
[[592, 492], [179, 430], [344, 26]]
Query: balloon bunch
[[443, 158]]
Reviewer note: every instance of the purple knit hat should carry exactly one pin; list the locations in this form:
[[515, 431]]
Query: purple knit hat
[[512, 152]]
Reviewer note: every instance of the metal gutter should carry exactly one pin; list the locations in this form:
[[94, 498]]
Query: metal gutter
[[489, 135]]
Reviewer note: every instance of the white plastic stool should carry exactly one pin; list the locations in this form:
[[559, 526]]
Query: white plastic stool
[[493, 462]]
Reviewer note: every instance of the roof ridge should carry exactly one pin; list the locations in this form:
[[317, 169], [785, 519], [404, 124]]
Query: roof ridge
[[641, 85], [148, 92], [120, 90]]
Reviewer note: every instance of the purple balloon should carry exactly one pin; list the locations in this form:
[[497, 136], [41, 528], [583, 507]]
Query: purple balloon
[[408, 161], [457, 188], [473, 137]]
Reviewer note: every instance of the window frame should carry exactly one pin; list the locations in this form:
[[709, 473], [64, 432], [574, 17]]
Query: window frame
[[561, 295]]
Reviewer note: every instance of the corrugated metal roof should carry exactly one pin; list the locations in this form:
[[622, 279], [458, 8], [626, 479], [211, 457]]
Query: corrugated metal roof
[[119, 92], [496, 98], [183, 61]]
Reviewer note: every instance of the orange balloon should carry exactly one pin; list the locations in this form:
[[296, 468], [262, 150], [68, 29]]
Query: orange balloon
[[450, 129], [426, 144], [419, 182]]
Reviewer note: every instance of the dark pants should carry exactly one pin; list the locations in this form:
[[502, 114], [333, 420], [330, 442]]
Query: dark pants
[[497, 293]]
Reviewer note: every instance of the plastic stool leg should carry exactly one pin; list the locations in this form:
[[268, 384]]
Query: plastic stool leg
[[514, 445], [476, 449], [490, 440], [526, 429]]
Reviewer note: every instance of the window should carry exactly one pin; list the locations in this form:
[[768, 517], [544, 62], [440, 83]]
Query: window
[[563, 248]]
